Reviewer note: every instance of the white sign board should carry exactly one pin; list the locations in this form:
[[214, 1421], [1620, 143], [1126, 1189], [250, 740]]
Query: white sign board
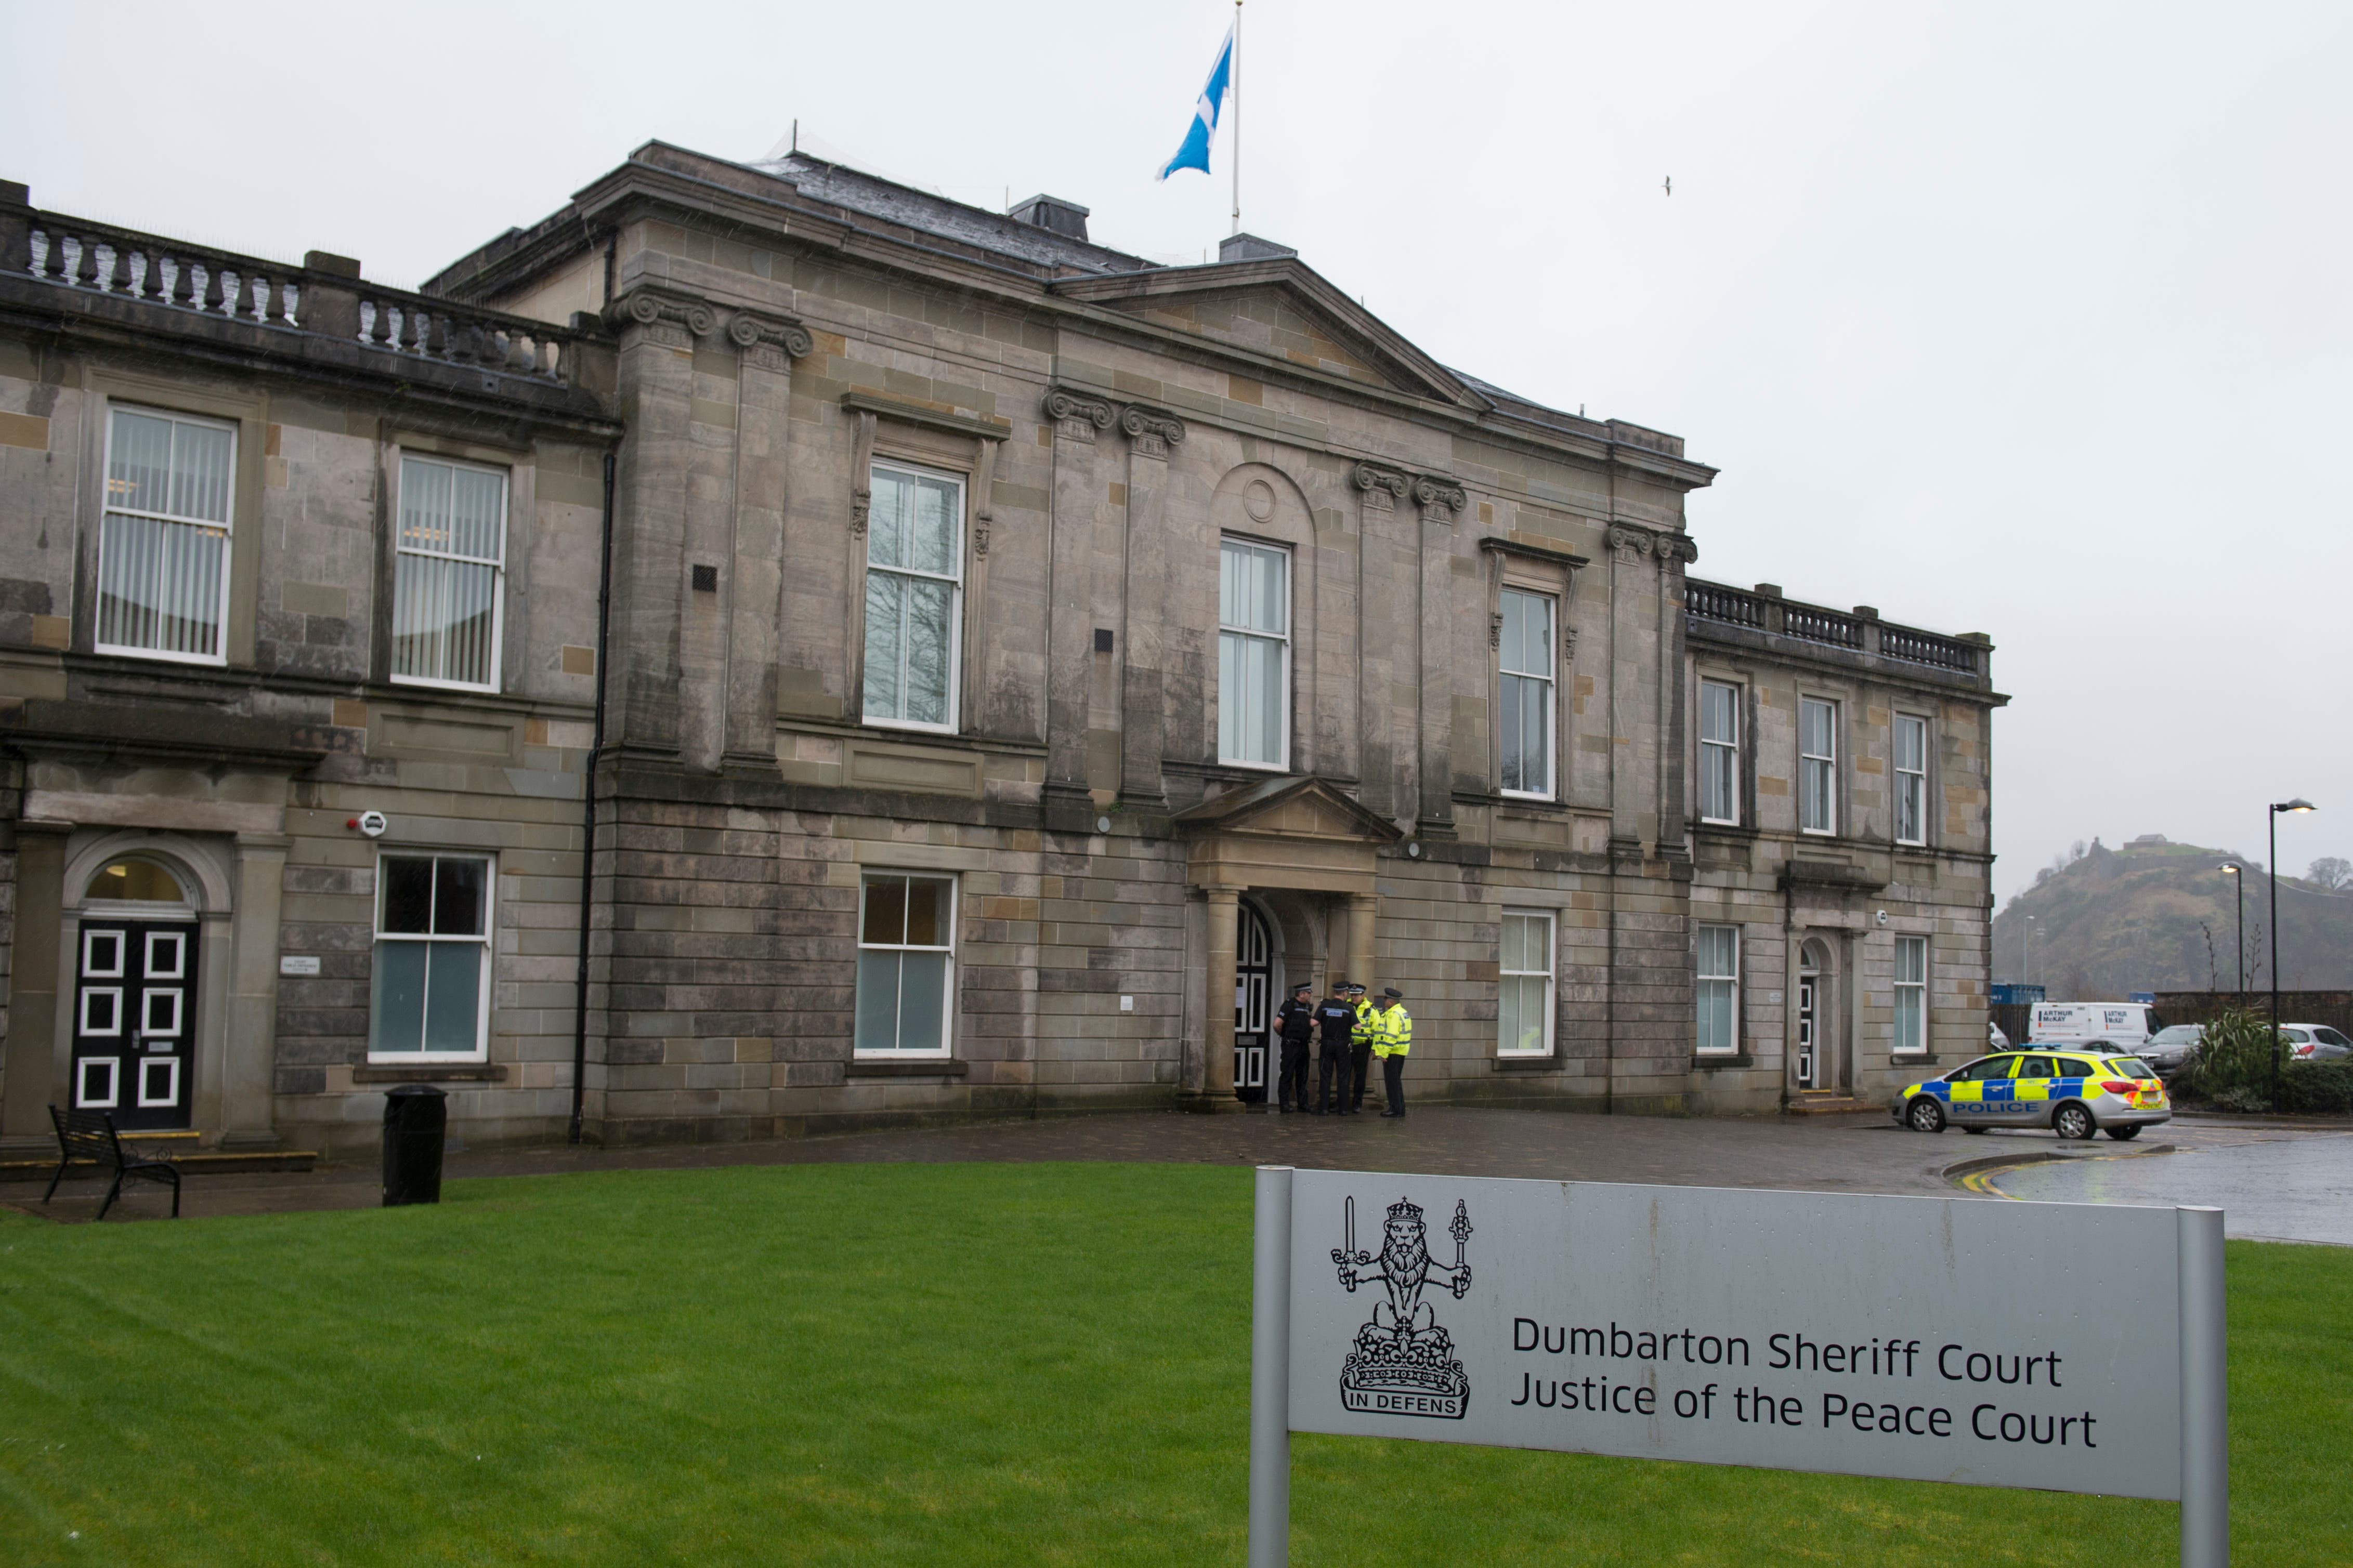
[[298, 964], [1935, 1338]]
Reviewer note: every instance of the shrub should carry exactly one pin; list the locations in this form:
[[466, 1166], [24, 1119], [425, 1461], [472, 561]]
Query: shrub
[[2235, 1053], [2323, 1087]]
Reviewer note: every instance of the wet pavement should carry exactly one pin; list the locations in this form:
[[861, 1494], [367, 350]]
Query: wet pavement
[[2259, 1174], [2272, 1184]]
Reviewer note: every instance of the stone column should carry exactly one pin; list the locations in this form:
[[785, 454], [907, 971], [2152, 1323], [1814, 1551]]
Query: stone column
[[1218, 999], [753, 584], [1070, 631], [1630, 581], [33, 1077], [1441, 501], [1362, 907], [249, 1062], [1387, 608], [1151, 433], [1674, 552], [655, 368]]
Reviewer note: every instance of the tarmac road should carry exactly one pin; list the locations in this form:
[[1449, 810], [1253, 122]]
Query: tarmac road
[[2271, 1183]]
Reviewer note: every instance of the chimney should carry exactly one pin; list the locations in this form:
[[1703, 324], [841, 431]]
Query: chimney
[[1053, 215], [1250, 248]]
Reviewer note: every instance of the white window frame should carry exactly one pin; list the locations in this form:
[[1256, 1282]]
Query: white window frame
[[1911, 784], [1289, 617], [114, 997], [1549, 676], [498, 567], [1548, 974], [1730, 749], [1826, 760], [1703, 980], [226, 526], [141, 1066], [488, 939], [954, 580], [1918, 992], [867, 876], [113, 1066]]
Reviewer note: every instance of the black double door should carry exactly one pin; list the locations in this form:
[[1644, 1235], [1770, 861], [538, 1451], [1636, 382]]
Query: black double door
[[1254, 1004], [135, 1022]]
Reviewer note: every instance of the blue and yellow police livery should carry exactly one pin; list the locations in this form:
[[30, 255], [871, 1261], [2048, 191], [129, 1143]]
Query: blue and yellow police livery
[[2076, 1093]]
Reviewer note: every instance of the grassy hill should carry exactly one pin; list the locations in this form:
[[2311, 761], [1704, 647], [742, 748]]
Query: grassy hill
[[2108, 922]]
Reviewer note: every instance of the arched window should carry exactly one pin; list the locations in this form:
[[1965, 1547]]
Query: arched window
[[135, 883]]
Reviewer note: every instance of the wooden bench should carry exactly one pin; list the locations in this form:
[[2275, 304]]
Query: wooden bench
[[89, 1138]]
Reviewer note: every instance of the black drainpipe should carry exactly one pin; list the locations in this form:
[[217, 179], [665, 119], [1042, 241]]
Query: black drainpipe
[[588, 817]]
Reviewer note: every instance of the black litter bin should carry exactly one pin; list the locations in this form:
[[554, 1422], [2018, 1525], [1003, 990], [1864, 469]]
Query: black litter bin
[[415, 1117]]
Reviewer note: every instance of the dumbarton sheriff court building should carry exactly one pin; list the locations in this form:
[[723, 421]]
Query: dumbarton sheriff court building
[[765, 649]]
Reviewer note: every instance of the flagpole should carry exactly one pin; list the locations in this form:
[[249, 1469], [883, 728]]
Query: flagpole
[[1237, 116]]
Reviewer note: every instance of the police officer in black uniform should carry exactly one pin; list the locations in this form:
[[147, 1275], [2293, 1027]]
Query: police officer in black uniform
[[1294, 1021], [1336, 1016]]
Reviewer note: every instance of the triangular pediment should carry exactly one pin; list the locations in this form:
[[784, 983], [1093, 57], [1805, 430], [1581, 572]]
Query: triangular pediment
[[1279, 309], [1290, 808]]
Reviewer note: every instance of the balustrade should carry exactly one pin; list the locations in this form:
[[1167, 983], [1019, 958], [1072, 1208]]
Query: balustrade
[[108, 260]]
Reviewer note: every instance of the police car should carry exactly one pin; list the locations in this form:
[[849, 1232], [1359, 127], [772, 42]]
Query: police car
[[2076, 1093]]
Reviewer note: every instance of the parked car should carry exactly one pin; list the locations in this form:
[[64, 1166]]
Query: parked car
[[2315, 1043], [2173, 1047], [2115, 1025], [2075, 1094]]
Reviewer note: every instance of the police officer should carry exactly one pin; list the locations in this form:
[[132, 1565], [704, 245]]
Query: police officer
[[1339, 1022], [1294, 1022], [1367, 1025], [1391, 1044]]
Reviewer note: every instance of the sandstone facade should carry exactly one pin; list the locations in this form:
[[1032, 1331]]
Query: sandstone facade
[[1448, 737]]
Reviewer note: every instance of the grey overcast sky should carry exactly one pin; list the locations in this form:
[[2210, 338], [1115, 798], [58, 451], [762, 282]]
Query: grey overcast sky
[[2021, 318]]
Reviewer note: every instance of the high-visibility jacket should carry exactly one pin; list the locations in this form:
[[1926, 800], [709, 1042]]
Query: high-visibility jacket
[[1396, 1031], [1367, 1026]]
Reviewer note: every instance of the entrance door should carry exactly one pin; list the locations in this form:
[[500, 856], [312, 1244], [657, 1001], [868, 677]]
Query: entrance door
[[1809, 1026], [1253, 991], [135, 1021]]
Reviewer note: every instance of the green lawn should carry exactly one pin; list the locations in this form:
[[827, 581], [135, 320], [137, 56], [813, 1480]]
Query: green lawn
[[894, 1363]]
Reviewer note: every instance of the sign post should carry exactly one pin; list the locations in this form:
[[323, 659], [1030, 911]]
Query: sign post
[[2061, 1347]]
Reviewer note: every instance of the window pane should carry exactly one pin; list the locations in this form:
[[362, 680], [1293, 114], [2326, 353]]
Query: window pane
[[1526, 639], [931, 533], [878, 1002], [1912, 959], [407, 893], [1266, 700], [424, 505], [453, 995], [923, 1000], [396, 1021], [927, 912], [886, 911], [442, 619], [1719, 719], [927, 633], [1233, 565], [1513, 943], [1814, 789], [888, 517], [460, 895], [159, 584], [1814, 724], [139, 462], [1514, 741], [478, 514], [1716, 784], [200, 477], [1907, 1019], [1272, 607], [885, 634], [1520, 1014], [1536, 736]]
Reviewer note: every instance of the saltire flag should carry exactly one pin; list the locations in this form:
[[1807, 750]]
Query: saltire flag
[[1195, 152]]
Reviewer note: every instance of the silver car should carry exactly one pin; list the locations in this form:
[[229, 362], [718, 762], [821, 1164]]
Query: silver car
[[2315, 1043], [2173, 1047], [2075, 1093]]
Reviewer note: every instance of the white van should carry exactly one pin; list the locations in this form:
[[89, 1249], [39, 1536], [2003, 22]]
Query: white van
[[2123, 1025]]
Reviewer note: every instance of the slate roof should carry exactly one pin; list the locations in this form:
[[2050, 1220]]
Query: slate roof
[[876, 197]]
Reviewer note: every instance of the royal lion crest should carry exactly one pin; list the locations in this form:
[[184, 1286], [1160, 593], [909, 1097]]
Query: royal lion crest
[[1403, 1362]]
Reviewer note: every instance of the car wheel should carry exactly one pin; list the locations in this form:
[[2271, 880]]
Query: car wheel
[[1975, 1131], [2124, 1134], [2072, 1121], [1924, 1115]]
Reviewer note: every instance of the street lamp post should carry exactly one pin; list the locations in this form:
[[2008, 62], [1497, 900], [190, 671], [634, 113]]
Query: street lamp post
[[2299, 805], [2240, 884]]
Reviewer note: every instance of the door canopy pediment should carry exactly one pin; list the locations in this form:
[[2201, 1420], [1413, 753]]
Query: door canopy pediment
[[1297, 833]]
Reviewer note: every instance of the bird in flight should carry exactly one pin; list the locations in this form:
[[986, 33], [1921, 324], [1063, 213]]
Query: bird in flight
[[1671, 184]]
